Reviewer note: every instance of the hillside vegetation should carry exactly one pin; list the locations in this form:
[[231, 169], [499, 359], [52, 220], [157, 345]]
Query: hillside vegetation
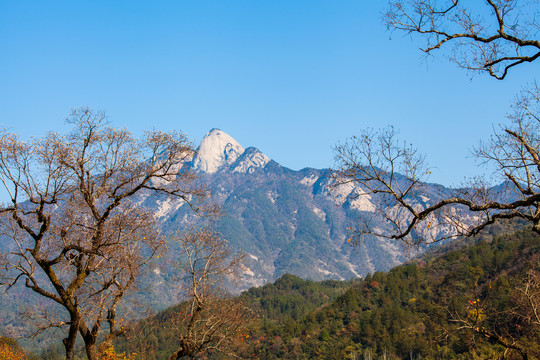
[[440, 307], [446, 305]]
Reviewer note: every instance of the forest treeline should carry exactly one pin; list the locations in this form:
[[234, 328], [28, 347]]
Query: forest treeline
[[421, 310], [415, 311], [440, 306]]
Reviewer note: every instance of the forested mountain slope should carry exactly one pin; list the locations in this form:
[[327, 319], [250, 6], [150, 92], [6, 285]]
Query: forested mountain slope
[[415, 310], [287, 221], [443, 306]]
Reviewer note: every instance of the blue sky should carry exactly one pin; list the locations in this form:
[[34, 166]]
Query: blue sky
[[292, 78]]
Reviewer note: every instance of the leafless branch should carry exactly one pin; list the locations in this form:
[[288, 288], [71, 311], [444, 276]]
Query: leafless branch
[[394, 176], [209, 319], [493, 37]]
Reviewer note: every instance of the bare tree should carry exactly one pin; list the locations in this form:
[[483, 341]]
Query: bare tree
[[380, 165], [140, 335], [492, 37], [210, 320], [527, 297], [77, 236]]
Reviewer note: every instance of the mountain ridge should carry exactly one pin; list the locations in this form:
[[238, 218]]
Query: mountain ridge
[[285, 220]]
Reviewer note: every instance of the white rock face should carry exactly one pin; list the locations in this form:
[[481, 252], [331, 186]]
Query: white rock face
[[341, 193], [253, 257], [320, 213], [272, 195], [309, 180], [216, 150], [363, 202], [168, 207], [253, 160], [356, 196]]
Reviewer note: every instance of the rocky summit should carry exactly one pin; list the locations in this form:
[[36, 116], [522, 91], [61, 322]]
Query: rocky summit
[[286, 221]]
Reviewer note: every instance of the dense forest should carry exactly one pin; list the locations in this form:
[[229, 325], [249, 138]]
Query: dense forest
[[462, 301], [463, 304]]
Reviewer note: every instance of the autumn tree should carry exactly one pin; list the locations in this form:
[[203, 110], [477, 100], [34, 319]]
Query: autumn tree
[[10, 350], [503, 311], [74, 231], [209, 319], [490, 36]]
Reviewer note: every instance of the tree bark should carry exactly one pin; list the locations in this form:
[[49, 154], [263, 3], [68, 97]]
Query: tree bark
[[90, 347], [69, 341], [177, 355]]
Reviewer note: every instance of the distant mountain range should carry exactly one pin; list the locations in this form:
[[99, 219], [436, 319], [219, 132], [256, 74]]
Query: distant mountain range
[[286, 221]]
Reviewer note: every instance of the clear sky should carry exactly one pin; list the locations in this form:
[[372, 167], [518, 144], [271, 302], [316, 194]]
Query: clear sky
[[292, 78]]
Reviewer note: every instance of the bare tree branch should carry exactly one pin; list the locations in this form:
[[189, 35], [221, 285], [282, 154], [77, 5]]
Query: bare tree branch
[[378, 165], [209, 319], [493, 37]]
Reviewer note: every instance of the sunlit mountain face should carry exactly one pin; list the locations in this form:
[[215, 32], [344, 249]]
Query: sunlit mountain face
[[286, 221]]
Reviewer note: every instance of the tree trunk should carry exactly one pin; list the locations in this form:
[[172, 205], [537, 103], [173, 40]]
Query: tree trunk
[[178, 354], [90, 340], [91, 352], [70, 348], [69, 341]]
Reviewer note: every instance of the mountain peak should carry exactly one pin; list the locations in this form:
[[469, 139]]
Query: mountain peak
[[251, 159], [217, 149]]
